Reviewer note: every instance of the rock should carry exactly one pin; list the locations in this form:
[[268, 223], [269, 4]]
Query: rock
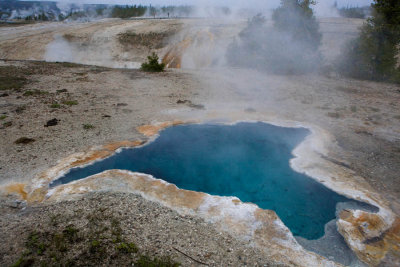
[[4, 95], [17, 204], [190, 104], [20, 109], [196, 106], [24, 140], [369, 236], [52, 122]]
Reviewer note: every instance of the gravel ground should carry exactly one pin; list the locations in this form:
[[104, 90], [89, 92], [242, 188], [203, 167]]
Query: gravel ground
[[155, 230], [113, 101]]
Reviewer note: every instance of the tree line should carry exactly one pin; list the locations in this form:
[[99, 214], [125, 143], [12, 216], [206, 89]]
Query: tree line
[[374, 54], [291, 45], [128, 11]]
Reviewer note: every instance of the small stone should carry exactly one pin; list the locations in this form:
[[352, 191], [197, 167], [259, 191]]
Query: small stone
[[7, 124], [52, 122], [24, 140], [13, 204]]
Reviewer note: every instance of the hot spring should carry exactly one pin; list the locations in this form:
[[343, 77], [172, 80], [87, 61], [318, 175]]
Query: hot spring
[[246, 160]]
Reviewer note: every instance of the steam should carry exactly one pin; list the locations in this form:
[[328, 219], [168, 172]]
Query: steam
[[202, 8], [206, 8], [35, 9], [62, 50], [200, 44]]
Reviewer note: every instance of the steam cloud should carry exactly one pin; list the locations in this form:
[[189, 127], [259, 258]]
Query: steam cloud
[[323, 7], [208, 46]]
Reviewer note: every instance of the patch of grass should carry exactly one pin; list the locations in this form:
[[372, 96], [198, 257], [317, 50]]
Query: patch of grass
[[24, 140], [12, 83], [3, 117], [353, 109], [55, 105], [127, 248], [69, 64], [59, 243], [13, 78], [41, 248], [71, 233], [87, 246], [116, 231], [15, 23], [374, 109], [32, 240], [35, 93], [94, 246], [397, 117], [88, 126], [152, 40], [34, 243], [62, 91], [80, 73], [145, 261], [23, 262], [70, 102]]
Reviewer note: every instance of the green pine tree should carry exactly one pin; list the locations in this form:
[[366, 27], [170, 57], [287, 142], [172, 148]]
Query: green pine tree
[[374, 53]]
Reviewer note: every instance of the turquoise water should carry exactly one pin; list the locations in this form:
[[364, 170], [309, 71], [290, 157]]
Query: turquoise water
[[246, 160]]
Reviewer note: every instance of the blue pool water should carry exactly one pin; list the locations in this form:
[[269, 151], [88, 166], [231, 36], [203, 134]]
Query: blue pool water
[[246, 160]]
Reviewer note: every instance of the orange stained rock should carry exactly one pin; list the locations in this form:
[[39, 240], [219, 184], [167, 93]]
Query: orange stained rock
[[101, 154], [17, 188], [117, 145], [269, 229], [173, 58], [157, 189], [151, 130], [368, 229], [105, 151], [37, 195], [168, 193], [370, 222]]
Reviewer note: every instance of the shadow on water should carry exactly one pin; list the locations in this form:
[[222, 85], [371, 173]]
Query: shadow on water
[[246, 160]]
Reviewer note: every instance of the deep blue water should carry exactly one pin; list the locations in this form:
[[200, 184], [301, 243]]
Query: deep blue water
[[246, 160]]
